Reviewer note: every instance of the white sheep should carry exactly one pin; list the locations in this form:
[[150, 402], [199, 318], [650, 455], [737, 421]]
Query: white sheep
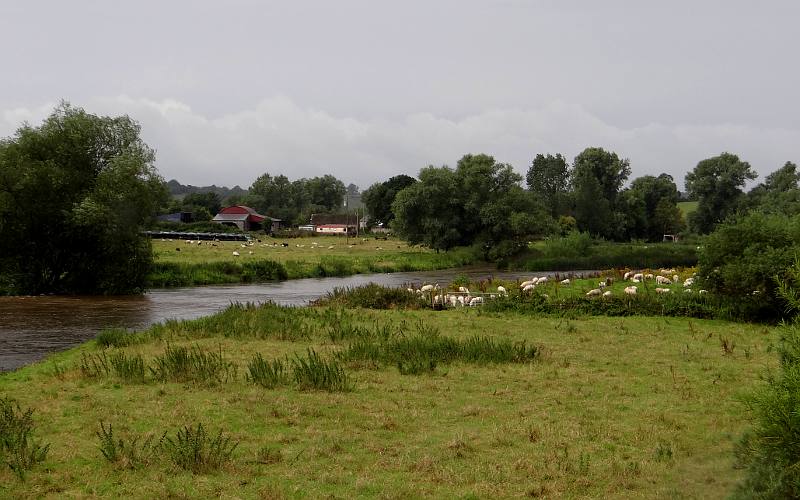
[[688, 290], [235, 253], [594, 292], [676, 278], [426, 288], [663, 290], [661, 280], [634, 280], [648, 276], [607, 294], [627, 275], [463, 289], [688, 282], [528, 288], [541, 280], [565, 281], [630, 290], [475, 301], [638, 277], [501, 289], [703, 292], [602, 284]]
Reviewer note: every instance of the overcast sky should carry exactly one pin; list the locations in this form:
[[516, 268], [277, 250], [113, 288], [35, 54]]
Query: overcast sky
[[226, 91]]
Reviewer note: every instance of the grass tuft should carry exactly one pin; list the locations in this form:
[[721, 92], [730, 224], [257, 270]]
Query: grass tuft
[[267, 374], [18, 449], [312, 372], [193, 449], [181, 364]]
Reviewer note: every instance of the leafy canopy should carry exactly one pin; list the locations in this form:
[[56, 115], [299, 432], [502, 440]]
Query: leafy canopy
[[74, 194]]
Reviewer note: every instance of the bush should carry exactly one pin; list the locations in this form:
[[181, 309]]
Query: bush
[[574, 244], [17, 448], [742, 258], [771, 449]]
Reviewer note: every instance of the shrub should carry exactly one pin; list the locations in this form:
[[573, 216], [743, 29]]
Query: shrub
[[574, 244], [193, 449], [771, 449], [131, 454], [18, 449], [742, 257]]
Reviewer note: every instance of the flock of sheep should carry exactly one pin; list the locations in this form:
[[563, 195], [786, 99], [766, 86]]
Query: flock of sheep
[[664, 277], [464, 297], [236, 253]]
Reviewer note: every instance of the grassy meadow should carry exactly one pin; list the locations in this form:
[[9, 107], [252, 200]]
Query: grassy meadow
[[397, 404], [178, 263]]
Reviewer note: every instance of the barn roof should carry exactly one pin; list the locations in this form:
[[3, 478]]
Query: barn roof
[[220, 217]]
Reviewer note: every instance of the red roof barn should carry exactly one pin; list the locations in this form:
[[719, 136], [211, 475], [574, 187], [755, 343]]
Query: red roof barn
[[246, 219]]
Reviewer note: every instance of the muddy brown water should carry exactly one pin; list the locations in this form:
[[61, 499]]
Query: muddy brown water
[[33, 327]]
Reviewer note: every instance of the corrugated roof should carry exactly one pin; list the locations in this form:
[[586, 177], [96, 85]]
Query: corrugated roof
[[230, 217]]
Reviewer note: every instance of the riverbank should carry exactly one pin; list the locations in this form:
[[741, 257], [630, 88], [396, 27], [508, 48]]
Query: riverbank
[[592, 406], [178, 263]]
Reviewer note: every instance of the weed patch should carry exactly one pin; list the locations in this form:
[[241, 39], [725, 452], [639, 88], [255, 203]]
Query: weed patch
[[18, 449], [193, 449]]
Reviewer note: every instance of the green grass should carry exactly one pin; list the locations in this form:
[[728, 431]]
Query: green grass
[[178, 263], [687, 207], [633, 407]]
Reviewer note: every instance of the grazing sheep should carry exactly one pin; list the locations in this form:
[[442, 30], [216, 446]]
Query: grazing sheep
[[607, 293], [661, 280], [634, 280], [461, 300], [235, 253], [410, 290], [463, 289], [475, 301], [594, 292], [565, 282], [627, 275], [663, 290], [703, 292], [630, 290], [526, 283], [648, 276], [453, 300], [676, 278], [426, 288], [502, 289], [541, 280], [602, 284], [688, 282], [638, 277], [528, 288]]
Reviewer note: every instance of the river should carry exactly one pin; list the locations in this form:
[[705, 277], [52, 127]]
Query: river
[[33, 327]]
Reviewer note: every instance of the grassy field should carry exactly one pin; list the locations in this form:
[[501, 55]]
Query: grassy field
[[178, 263], [687, 207], [640, 407]]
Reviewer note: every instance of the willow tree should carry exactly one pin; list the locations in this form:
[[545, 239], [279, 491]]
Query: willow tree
[[75, 193]]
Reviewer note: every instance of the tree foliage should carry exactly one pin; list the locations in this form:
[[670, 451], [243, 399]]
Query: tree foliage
[[480, 201], [597, 178], [716, 183], [74, 194], [549, 178], [295, 201], [379, 197]]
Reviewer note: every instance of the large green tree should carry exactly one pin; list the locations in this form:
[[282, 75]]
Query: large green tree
[[379, 197], [716, 183], [597, 177], [75, 193], [650, 207], [778, 193], [481, 201], [549, 178]]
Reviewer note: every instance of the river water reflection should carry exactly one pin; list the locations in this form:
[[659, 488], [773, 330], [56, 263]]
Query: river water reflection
[[32, 327]]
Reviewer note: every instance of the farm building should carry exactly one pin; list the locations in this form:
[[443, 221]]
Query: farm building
[[246, 219], [335, 223]]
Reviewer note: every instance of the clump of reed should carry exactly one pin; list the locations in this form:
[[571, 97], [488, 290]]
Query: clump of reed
[[130, 453], [314, 372], [114, 337], [182, 364], [309, 372], [423, 350], [128, 368], [267, 374], [18, 449], [195, 450], [373, 296]]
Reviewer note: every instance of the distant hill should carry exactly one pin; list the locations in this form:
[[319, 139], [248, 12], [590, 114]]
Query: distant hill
[[178, 190]]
